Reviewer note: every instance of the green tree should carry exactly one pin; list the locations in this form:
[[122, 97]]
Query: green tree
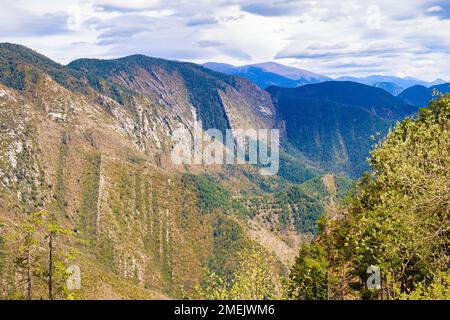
[[42, 254], [398, 218], [5, 265], [256, 278], [308, 279], [439, 289], [56, 272], [28, 250]]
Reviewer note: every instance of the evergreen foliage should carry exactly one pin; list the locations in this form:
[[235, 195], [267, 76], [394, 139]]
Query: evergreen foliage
[[399, 217]]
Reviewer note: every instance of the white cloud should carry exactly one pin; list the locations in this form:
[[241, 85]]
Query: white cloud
[[435, 9], [349, 37]]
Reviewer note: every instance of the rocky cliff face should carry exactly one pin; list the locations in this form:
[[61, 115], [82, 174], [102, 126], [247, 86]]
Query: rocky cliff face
[[180, 87]]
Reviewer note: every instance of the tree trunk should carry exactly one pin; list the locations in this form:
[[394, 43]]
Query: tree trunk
[[50, 267], [29, 277]]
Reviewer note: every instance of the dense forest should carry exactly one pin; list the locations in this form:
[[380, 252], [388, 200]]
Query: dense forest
[[397, 219]]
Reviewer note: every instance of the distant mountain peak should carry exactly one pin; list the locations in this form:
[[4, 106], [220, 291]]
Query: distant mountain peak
[[390, 87], [437, 82], [288, 71], [402, 83], [220, 67], [269, 73], [419, 95]]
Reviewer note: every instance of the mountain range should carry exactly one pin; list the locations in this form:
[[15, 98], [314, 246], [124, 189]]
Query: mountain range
[[332, 122], [420, 96], [270, 74], [91, 142], [275, 74], [402, 83]]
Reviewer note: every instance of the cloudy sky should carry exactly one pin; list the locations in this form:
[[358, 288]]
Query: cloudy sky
[[347, 37]]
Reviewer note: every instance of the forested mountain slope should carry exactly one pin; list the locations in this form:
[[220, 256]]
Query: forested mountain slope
[[332, 123], [420, 95]]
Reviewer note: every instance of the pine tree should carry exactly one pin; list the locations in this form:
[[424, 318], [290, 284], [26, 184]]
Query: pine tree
[[28, 256]]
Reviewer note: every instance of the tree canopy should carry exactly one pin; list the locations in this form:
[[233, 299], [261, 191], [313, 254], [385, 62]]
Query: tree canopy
[[398, 219]]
